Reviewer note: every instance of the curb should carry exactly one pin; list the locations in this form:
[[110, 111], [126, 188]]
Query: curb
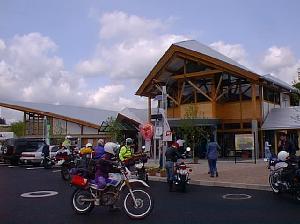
[[220, 184]]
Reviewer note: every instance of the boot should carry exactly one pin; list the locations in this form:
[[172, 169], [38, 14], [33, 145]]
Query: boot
[[217, 174]]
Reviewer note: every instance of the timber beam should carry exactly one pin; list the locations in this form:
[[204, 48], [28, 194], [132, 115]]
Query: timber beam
[[196, 74]]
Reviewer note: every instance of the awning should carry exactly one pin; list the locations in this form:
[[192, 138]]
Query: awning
[[282, 119], [193, 122]]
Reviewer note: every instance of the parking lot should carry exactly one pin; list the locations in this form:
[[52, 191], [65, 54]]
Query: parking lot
[[198, 205]]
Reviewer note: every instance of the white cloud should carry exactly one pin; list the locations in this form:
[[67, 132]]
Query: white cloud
[[281, 62], [128, 47], [121, 25], [233, 51], [2, 45]]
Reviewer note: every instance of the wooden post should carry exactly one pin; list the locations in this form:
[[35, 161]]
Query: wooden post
[[253, 89], [149, 109], [214, 98], [241, 108]]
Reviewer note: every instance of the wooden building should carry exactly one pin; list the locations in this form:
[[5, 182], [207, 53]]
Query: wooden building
[[61, 120], [216, 92]]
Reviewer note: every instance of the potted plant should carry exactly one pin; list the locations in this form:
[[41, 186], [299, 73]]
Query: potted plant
[[163, 173], [152, 171]]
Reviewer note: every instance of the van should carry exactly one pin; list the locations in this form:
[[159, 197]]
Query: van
[[13, 148]]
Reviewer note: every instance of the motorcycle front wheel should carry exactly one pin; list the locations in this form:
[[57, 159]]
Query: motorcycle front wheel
[[82, 201], [65, 174], [143, 206]]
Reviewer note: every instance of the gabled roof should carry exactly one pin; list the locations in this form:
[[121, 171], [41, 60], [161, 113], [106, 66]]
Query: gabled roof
[[140, 116], [86, 116], [282, 118], [199, 52], [203, 49]]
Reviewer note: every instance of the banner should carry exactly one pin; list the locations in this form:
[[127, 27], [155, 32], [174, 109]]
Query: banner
[[244, 142]]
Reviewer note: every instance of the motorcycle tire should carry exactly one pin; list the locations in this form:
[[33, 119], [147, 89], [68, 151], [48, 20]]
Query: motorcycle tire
[[298, 196], [274, 188], [65, 174], [82, 207], [183, 187], [144, 200]]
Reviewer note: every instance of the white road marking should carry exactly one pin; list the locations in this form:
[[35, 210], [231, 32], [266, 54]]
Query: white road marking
[[34, 168], [39, 194], [12, 166], [55, 171], [236, 196]]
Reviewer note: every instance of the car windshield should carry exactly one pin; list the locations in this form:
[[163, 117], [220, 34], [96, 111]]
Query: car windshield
[[35, 146]]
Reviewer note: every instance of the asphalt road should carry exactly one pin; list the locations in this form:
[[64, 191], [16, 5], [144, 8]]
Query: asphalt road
[[198, 205]]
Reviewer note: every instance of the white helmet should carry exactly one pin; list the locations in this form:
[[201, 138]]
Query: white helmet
[[111, 147], [88, 145], [128, 141], [68, 137], [283, 155], [100, 142]]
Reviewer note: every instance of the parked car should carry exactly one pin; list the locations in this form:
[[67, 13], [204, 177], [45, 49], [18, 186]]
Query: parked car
[[35, 157], [13, 148]]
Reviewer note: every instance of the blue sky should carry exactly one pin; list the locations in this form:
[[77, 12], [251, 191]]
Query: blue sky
[[89, 48]]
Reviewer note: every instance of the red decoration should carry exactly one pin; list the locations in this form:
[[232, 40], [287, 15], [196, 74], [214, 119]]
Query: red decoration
[[147, 131]]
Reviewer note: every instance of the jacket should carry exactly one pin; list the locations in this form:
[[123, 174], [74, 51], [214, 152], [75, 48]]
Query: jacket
[[172, 154], [99, 151], [125, 153], [212, 150]]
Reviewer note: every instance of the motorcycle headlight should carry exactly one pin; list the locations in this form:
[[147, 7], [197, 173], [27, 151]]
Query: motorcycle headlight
[[139, 165]]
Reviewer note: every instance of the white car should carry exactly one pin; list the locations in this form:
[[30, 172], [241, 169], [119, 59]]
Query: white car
[[35, 157]]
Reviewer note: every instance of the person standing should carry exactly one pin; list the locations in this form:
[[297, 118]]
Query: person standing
[[172, 155], [268, 153], [285, 145], [212, 156]]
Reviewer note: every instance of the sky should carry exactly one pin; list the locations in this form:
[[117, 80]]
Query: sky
[[96, 53]]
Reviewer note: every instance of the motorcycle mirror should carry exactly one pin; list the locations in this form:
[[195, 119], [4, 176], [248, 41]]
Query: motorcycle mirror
[[188, 149]]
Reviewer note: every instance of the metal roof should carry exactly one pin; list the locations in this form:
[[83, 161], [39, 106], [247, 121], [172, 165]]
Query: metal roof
[[282, 118], [279, 82], [91, 115], [138, 115], [203, 49]]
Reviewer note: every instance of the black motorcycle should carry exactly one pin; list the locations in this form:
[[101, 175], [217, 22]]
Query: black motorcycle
[[136, 165], [181, 176], [286, 177]]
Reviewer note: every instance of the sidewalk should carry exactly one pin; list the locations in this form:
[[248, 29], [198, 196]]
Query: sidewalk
[[239, 175]]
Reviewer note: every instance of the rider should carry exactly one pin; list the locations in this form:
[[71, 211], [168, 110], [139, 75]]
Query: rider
[[126, 150], [172, 155], [105, 165], [88, 149], [99, 149], [67, 142]]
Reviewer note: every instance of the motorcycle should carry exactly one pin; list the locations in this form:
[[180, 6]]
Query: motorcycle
[[67, 160], [48, 162], [137, 202], [181, 176], [136, 165], [285, 177], [182, 173]]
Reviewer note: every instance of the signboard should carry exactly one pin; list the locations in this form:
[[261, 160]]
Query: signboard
[[158, 132], [244, 142]]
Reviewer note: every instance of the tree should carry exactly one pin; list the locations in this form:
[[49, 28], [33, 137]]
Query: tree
[[114, 128], [18, 128], [193, 135]]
